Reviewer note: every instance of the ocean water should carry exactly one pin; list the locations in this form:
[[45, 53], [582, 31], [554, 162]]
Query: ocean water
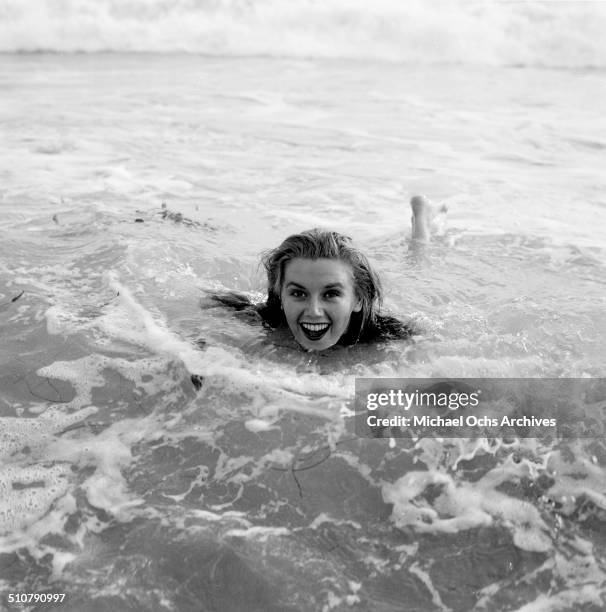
[[151, 152]]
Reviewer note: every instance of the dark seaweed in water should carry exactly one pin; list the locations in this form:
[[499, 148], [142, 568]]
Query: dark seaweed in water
[[5, 305], [197, 380], [176, 217]]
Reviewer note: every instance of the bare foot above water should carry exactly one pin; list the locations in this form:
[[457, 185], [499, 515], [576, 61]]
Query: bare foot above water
[[423, 215]]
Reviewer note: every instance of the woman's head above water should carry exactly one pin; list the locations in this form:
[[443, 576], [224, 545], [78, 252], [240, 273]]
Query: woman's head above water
[[322, 287]]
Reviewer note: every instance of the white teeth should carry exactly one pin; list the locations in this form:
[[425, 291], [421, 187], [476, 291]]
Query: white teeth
[[315, 327]]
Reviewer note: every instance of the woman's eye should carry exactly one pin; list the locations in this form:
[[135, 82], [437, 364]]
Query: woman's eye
[[332, 294], [296, 293]]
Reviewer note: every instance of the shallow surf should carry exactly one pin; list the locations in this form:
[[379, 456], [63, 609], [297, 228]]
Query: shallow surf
[[127, 487]]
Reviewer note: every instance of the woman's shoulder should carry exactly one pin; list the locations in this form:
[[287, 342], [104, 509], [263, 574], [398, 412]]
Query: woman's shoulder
[[385, 327], [245, 307], [241, 303], [230, 299]]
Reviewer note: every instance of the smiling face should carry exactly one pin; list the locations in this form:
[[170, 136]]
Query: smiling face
[[318, 297]]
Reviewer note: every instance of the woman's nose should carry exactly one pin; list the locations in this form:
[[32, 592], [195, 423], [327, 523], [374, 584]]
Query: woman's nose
[[314, 308]]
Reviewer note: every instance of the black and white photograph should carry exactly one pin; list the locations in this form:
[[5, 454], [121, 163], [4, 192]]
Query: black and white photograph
[[303, 305]]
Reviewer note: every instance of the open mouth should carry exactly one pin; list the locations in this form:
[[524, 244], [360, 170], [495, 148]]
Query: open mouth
[[314, 331]]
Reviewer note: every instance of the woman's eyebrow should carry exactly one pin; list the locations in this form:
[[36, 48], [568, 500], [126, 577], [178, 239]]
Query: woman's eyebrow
[[335, 285]]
